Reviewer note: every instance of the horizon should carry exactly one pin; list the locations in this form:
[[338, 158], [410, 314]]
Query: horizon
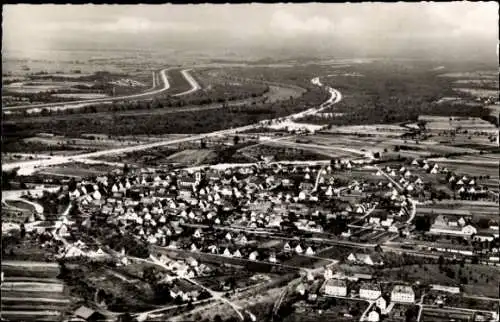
[[456, 30]]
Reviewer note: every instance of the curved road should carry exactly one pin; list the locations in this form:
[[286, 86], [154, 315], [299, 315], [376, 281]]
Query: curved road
[[27, 167], [165, 86]]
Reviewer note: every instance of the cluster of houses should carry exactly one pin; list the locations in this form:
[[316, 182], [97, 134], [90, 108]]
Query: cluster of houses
[[157, 206], [464, 185], [452, 225], [364, 287]]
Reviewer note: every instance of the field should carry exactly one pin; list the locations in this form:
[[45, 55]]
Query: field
[[43, 87], [280, 153], [478, 92], [434, 123], [475, 279], [30, 291], [191, 157], [78, 170], [461, 208]]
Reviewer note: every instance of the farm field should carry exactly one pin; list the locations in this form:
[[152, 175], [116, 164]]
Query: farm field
[[477, 209], [31, 291], [480, 74], [77, 170], [453, 122], [278, 152], [391, 130], [191, 156], [474, 279], [478, 92]]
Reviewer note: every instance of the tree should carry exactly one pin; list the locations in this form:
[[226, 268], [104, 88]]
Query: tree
[[23, 231], [422, 223], [236, 139]]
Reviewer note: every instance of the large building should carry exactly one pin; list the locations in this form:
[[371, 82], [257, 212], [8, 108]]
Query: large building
[[443, 225], [335, 287], [403, 294], [369, 291]]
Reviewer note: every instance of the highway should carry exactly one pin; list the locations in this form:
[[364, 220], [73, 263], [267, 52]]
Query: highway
[[28, 167], [163, 77]]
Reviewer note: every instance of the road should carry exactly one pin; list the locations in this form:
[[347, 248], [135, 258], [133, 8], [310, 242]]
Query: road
[[194, 84], [276, 236], [215, 295], [412, 201], [163, 77], [28, 167], [365, 312]]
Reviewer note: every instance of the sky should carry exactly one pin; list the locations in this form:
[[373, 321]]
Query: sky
[[392, 29]]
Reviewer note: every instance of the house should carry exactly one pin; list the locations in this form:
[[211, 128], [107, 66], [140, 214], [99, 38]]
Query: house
[[88, 314], [335, 287], [253, 256], [243, 240], [366, 259], [328, 274], [373, 316], [442, 225], [272, 257], [227, 253], [287, 247], [403, 293], [197, 233], [301, 289], [299, 249], [369, 291], [382, 303], [309, 251]]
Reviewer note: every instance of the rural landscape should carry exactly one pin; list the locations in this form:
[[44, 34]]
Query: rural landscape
[[222, 177]]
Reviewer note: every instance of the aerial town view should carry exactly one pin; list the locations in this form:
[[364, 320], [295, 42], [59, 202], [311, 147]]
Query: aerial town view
[[251, 162]]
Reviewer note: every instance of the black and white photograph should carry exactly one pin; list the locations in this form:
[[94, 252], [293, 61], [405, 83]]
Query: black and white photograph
[[255, 162]]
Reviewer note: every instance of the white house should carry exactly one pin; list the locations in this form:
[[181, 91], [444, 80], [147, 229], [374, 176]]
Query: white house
[[328, 274], [373, 316], [369, 291], [253, 256], [403, 293], [335, 287], [227, 253], [366, 259], [381, 303]]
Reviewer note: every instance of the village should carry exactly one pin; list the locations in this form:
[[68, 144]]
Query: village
[[334, 226]]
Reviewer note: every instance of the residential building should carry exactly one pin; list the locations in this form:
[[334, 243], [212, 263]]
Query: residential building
[[365, 259], [335, 287], [369, 291], [403, 293], [373, 316]]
